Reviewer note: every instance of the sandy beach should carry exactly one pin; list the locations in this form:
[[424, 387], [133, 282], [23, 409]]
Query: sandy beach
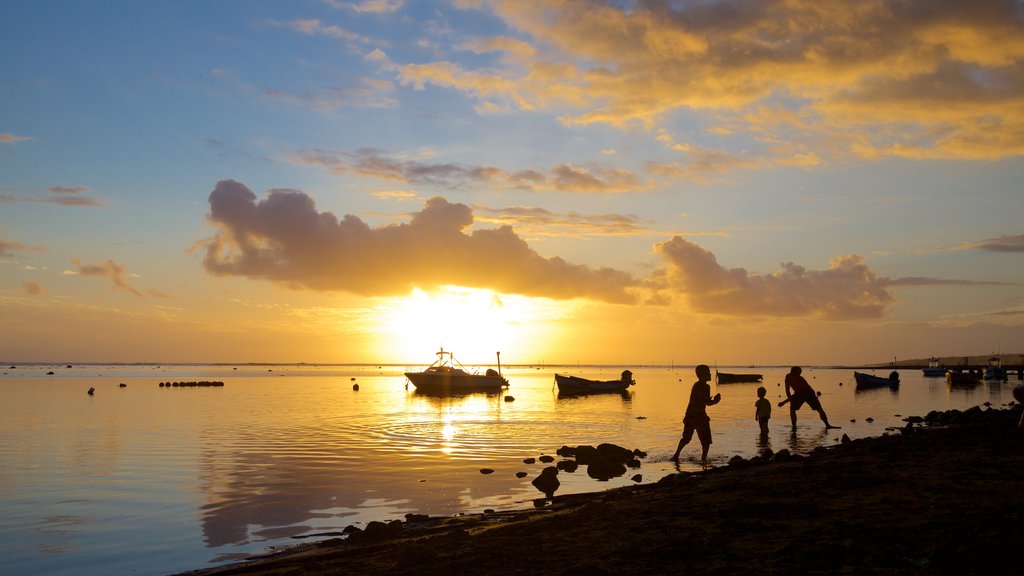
[[941, 496]]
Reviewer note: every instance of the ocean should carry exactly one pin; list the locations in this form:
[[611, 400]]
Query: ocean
[[147, 479]]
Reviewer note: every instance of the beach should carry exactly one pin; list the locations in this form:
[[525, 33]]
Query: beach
[[942, 495]]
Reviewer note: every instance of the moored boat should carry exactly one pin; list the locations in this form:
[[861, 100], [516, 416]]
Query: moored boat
[[870, 380], [447, 375], [730, 378], [994, 370], [934, 368], [577, 385], [958, 377]]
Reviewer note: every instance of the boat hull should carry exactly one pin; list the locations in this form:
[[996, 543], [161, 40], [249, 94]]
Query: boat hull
[[958, 378], [577, 385], [728, 378], [870, 381], [937, 372]]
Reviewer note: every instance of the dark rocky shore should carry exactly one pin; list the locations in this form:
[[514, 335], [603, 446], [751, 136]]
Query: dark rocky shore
[[944, 495]]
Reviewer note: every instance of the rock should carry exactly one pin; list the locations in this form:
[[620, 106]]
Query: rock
[[633, 463], [351, 529], [529, 460], [122, 385], [567, 466], [737, 461], [546, 459], [520, 474], [355, 387], [604, 469], [637, 478], [547, 481], [486, 471], [914, 419], [845, 439], [869, 419], [782, 456], [639, 453], [510, 399], [566, 452], [614, 452], [91, 391], [410, 517], [586, 454], [376, 530]]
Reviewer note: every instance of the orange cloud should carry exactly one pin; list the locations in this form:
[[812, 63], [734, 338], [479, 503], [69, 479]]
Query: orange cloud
[[110, 270], [284, 238], [919, 79]]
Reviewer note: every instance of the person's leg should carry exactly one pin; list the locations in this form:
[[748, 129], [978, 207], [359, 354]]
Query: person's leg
[[792, 414], [682, 444], [704, 455], [824, 418]]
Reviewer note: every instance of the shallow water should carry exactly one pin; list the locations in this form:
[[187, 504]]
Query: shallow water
[[150, 480]]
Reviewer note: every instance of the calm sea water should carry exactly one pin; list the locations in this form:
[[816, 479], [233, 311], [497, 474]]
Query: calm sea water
[[148, 480]]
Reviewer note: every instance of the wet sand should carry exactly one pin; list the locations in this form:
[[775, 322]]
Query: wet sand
[[944, 498]]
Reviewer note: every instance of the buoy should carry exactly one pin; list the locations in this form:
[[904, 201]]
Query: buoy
[[91, 390], [355, 386]]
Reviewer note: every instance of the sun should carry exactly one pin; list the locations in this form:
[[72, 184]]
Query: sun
[[474, 324]]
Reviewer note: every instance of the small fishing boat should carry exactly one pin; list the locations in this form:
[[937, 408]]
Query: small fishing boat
[[729, 378], [577, 385], [960, 377], [872, 381], [994, 370], [934, 368], [447, 375]]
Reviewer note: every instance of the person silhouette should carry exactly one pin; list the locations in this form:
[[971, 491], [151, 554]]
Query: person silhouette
[[762, 411], [696, 417], [798, 393]]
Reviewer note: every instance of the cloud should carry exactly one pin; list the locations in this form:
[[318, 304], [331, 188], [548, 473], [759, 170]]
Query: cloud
[[7, 247], [535, 221], [917, 79], [110, 270], [924, 281], [33, 288], [1002, 244], [60, 195], [8, 138], [368, 6], [68, 190], [998, 244], [283, 238], [372, 93], [314, 27], [589, 178], [847, 290]]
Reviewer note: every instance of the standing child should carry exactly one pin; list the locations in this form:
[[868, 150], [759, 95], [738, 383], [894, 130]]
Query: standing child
[[762, 411]]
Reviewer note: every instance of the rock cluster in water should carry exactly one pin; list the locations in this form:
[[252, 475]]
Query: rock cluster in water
[[603, 462], [192, 384]]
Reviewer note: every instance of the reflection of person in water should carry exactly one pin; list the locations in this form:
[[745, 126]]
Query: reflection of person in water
[[696, 418], [762, 411], [798, 393]]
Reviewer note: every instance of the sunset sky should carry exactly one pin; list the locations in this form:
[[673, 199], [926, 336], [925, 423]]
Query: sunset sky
[[733, 182]]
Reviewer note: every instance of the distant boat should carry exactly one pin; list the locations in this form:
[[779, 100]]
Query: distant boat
[[872, 381], [995, 370], [446, 375], [577, 385], [728, 378], [934, 369], [960, 377]]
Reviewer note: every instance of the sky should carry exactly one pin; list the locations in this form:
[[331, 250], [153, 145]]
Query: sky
[[599, 182]]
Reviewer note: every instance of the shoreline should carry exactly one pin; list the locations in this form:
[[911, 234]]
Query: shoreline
[[942, 495]]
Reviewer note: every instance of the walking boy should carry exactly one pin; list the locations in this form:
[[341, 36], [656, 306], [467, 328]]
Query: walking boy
[[696, 418]]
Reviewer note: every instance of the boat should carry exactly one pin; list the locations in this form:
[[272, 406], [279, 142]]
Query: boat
[[577, 385], [447, 375], [872, 381], [934, 369], [994, 370], [729, 378], [959, 377]]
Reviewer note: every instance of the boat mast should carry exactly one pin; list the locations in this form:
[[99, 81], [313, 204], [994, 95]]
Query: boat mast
[[499, 363]]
